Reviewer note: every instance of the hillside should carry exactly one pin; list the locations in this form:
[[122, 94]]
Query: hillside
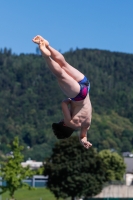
[[30, 99]]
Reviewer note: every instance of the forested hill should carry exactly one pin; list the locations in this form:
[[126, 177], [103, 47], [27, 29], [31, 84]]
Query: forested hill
[[30, 99]]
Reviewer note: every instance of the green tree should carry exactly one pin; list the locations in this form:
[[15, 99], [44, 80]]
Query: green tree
[[73, 170], [12, 171], [114, 164]]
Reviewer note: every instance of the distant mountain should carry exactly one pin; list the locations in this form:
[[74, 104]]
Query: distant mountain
[[30, 99]]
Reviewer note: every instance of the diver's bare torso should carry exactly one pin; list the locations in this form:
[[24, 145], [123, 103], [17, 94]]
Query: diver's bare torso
[[81, 113]]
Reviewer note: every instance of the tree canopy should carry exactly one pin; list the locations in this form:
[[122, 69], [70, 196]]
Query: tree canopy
[[114, 164], [74, 171], [12, 172]]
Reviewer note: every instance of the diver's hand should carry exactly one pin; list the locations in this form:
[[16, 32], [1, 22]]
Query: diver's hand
[[85, 143]]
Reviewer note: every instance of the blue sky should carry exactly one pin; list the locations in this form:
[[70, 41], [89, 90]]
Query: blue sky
[[101, 24]]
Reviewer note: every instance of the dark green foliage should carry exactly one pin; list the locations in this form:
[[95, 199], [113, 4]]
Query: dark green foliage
[[73, 170], [30, 99]]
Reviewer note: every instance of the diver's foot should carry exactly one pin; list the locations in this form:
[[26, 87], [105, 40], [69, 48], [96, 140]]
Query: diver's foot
[[37, 39], [42, 45], [85, 143]]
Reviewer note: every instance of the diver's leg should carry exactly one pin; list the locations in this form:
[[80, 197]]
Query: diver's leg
[[59, 58], [67, 83]]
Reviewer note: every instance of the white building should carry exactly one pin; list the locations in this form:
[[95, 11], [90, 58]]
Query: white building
[[32, 164]]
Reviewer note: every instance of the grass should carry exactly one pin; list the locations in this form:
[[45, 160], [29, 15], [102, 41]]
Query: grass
[[37, 194]]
